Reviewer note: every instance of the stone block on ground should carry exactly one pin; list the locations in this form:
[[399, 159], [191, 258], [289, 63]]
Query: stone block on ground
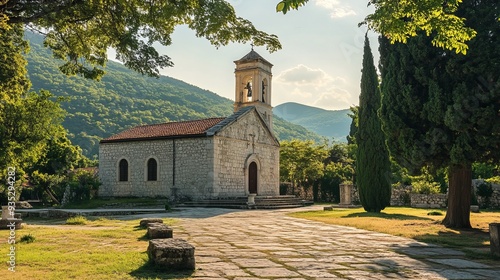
[[54, 213], [11, 223], [474, 208], [144, 222], [495, 239], [172, 253], [158, 230], [328, 208]]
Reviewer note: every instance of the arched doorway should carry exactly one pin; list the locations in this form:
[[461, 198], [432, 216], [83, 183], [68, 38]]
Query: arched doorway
[[252, 178]]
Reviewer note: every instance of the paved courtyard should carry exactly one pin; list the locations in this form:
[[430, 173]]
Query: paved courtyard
[[267, 244]]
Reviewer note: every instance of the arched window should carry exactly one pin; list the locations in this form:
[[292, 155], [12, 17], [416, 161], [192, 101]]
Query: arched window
[[123, 170], [152, 170]]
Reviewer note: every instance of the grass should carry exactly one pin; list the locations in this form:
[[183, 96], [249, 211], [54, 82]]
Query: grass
[[116, 202], [100, 249], [419, 224], [78, 220]]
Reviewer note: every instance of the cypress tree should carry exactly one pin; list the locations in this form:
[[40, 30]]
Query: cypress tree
[[372, 160], [441, 109]]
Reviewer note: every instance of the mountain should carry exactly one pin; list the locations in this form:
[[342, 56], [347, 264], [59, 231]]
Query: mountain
[[326, 123], [124, 98]]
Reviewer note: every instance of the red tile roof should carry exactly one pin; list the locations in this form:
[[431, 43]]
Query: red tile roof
[[165, 130]]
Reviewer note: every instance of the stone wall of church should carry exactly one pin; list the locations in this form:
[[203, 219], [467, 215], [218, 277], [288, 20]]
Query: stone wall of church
[[137, 154], [193, 168], [236, 146]]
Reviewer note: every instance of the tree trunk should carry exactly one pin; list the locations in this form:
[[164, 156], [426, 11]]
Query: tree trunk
[[459, 195]]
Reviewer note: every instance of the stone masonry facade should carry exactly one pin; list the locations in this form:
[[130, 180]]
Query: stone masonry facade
[[192, 171], [195, 168], [236, 146]]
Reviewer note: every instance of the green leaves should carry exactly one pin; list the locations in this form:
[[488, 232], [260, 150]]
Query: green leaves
[[301, 161], [286, 5], [80, 32], [400, 20]]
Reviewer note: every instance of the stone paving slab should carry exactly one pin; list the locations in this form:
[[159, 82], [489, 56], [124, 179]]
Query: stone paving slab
[[459, 263], [267, 244]]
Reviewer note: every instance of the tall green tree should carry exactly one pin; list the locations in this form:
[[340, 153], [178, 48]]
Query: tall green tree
[[28, 122], [51, 169], [440, 109], [399, 20], [372, 160], [80, 32], [301, 162]]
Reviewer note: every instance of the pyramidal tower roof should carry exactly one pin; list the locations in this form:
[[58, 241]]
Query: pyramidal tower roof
[[252, 56]]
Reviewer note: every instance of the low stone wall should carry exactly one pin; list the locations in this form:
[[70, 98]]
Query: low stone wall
[[402, 196], [495, 197], [438, 200]]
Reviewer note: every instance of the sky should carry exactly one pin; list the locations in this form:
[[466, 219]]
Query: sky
[[319, 64]]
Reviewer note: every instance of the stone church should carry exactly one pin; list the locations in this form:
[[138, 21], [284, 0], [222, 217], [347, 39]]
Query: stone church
[[211, 158]]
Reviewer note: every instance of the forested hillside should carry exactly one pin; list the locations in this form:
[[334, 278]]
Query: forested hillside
[[327, 123], [123, 99]]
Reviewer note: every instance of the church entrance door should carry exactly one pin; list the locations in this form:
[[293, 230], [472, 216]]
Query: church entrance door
[[252, 178]]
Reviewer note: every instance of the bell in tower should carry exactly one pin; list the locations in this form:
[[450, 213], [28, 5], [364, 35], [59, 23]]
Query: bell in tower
[[249, 89], [253, 85]]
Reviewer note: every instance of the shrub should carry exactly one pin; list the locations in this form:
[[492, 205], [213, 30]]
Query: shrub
[[83, 185], [77, 220], [27, 238], [425, 187], [435, 213], [485, 190]]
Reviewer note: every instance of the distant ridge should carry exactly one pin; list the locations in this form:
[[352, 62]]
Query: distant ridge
[[124, 99], [327, 123]]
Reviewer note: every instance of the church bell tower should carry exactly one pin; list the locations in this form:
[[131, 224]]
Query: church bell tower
[[253, 85]]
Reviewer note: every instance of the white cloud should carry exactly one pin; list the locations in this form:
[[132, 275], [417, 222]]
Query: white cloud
[[336, 7], [312, 87], [302, 75]]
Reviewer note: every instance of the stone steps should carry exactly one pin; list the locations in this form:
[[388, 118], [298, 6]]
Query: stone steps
[[261, 202]]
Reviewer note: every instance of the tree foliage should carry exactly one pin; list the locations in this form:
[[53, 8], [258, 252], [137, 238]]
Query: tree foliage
[[301, 162], [29, 123], [49, 172], [80, 32], [399, 20], [306, 164], [372, 160], [13, 80], [441, 109]]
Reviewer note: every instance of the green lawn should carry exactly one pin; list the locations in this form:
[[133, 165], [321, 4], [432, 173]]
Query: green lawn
[[99, 249], [417, 224]]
